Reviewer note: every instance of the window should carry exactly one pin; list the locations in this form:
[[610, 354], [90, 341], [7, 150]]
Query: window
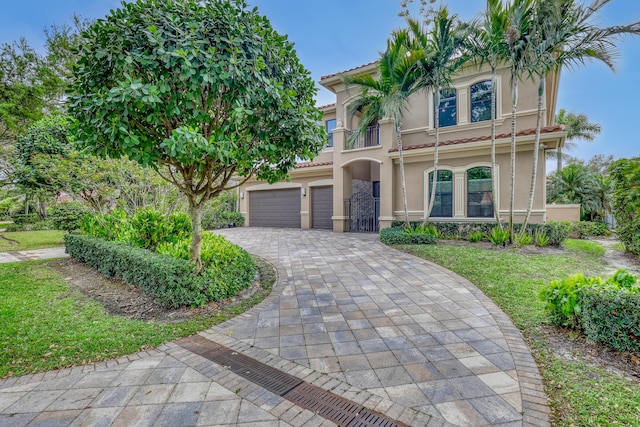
[[330, 125], [479, 193], [481, 101], [447, 109], [443, 203]]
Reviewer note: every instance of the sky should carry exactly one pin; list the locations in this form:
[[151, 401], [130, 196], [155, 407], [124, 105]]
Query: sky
[[335, 35]]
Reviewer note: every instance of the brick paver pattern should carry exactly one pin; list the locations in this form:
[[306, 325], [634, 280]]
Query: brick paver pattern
[[395, 333]]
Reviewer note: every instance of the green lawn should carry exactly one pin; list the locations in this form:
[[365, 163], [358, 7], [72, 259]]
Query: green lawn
[[581, 395], [28, 240], [46, 325]]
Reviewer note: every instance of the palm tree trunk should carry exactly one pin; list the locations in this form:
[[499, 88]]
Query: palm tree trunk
[[536, 148], [494, 185], [559, 159], [403, 183], [436, 125], [514, 109]]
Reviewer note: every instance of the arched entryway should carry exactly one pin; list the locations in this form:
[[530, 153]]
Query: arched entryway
[[362, 196]]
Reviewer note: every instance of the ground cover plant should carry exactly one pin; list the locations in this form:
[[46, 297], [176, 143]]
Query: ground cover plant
[[580, 393], [27, 240], [47, 323]]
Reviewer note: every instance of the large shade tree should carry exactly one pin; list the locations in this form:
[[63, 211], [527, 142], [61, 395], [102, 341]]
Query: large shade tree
[[208, 93]]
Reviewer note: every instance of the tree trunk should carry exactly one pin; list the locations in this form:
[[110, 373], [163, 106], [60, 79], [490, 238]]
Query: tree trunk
[[402, 176], [195, 212], [536, 148], [436, 125], [43, 208], [514, 109], [559, 159], [494, 184]]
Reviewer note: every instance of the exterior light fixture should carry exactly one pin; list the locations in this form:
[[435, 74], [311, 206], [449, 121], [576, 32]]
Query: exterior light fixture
[[304, 191], [242, 194]]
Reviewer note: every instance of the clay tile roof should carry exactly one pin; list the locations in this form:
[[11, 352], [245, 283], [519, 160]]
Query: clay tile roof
[[347, 71], [324, 107], [312, 165], [548, 129]]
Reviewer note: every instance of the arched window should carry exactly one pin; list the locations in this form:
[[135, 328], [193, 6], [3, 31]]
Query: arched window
[[481, 101], [448, 108], [443, 203], [479, 193]]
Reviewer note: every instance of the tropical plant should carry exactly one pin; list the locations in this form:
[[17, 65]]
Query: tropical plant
[[441, 55], [541, 238], [516, 44], [386, 95], [203, 92], [578, 127], [498, 236], [486, 46], [564, 34], [524, 239], [577, 184], [475, 236]]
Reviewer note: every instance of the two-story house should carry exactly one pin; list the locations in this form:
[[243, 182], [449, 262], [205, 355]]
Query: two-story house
[[356, 186]]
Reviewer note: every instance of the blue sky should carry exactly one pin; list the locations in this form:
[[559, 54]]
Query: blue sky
[[334, 35]]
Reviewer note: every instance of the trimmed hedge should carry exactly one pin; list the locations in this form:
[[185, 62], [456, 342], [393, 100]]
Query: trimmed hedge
[[67, 216], [611, 316], [398, 236], [557, 231], [36, 226], [169, 280], [25, 218]]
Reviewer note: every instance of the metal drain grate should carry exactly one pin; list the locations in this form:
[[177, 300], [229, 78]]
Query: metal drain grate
[[328, 405], [263, 375]]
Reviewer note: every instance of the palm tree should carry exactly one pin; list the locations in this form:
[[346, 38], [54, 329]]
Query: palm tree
[[387, 94], [487, 46], [562, 34], [517, 42], [577, 126], [441, 55], [576, 184]]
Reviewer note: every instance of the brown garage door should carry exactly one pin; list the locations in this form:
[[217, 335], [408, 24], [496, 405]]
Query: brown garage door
[[275, 208], [322, 207]]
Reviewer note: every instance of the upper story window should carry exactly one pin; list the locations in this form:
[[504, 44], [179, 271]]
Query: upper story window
[[330, 125], [481, 101], [479, 193], [443, 203], [448, 108]]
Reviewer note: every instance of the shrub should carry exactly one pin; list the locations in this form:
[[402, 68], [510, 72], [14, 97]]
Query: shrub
[[113, 226], [612, 316], [168, 279], [229, 217], [398, 236], [584, 229], [25, 218], [475, 236], [68, 216], [498, 236], [148, 228], [562, 299], [625, 175], [422, 229], [557, 231], [40, 225]]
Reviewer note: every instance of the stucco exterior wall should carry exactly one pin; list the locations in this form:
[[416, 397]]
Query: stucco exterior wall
[[563, 212]]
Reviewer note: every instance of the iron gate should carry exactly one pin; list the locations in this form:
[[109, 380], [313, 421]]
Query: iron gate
[[363, 211]]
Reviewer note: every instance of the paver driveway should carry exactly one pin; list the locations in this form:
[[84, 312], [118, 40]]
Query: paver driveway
[[397, 334], [395, 325]]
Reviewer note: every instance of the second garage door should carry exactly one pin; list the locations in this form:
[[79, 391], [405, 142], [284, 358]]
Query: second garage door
[[322, 207], [275, 208]]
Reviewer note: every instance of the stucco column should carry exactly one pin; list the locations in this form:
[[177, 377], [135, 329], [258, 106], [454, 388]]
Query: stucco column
[[387, 140], [341, 179], [458, 194], [305, 207]]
